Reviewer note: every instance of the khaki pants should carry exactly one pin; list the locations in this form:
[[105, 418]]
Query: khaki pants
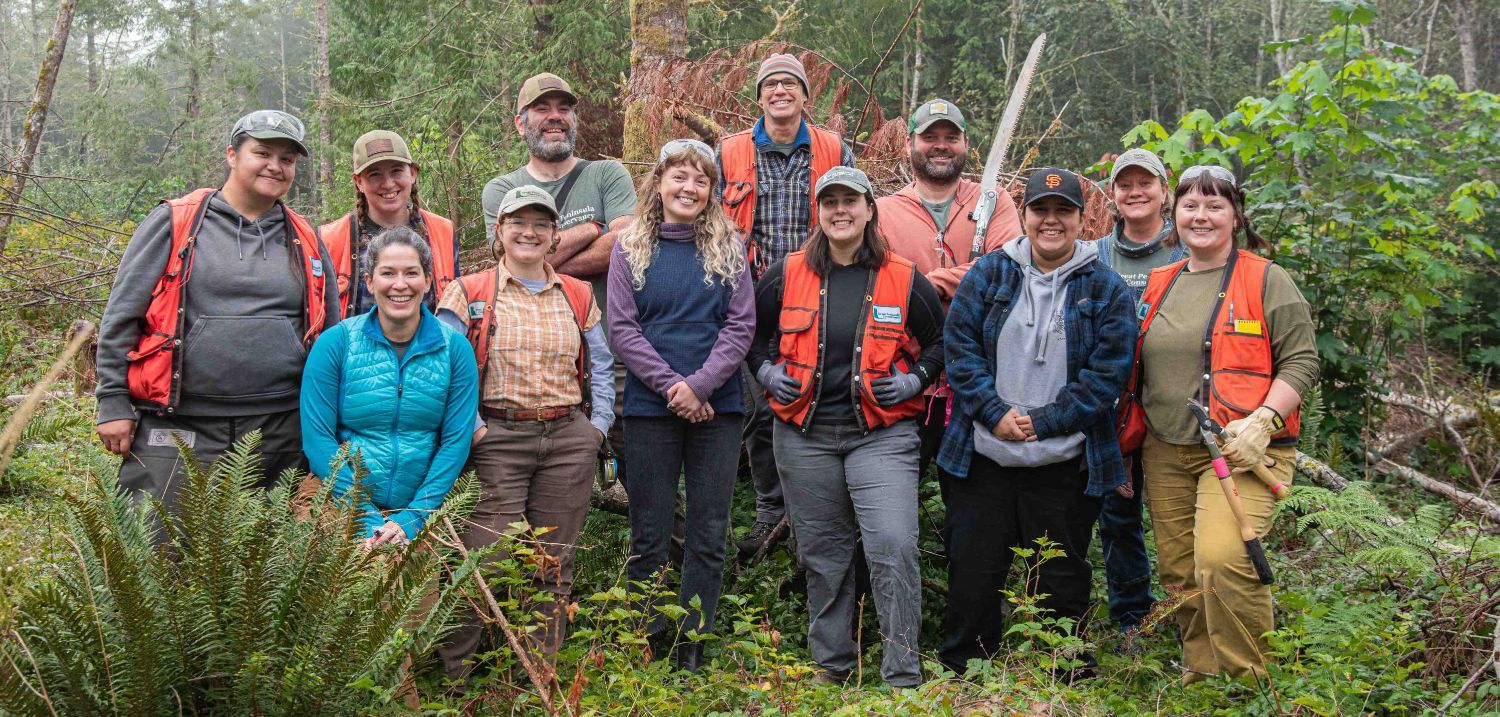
[[1199, 552], [540, 472]]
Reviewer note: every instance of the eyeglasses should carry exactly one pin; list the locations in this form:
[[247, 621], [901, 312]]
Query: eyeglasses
[[789, 83], [540, 226], [1213, 170]]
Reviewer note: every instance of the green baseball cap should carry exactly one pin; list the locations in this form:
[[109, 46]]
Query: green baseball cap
[[542, 84], [845, 177], [526, 196], [378, 146], [270, 124], [933, 111]]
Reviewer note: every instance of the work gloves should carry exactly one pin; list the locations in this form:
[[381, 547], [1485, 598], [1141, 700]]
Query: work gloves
[[895, 388], [1246, 438], [782, 387]]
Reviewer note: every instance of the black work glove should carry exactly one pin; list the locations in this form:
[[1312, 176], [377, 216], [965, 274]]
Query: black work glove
[[782, 387], [895, 388]]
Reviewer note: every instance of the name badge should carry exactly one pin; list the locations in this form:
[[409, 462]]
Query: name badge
[[1247, 326], [886, 314], [476, 310], [317, 267], [163, 437]]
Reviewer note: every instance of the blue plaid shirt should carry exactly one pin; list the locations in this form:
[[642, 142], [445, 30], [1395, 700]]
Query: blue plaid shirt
[[1099, 316], [782, 194]]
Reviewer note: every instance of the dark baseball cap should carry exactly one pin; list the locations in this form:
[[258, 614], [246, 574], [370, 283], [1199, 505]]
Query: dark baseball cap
[[932, 112], [270, 124], [1053, 182]]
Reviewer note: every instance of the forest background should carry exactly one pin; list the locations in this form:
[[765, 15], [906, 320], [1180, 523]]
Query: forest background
[[1366, 131]]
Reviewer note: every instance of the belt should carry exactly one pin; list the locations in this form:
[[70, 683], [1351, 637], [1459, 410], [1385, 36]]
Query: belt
[[544, 413]]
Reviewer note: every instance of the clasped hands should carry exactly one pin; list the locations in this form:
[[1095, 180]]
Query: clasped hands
[[1015, 427], [685, 403]]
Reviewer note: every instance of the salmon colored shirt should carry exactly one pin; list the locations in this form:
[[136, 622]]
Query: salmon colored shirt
[[908, 227]]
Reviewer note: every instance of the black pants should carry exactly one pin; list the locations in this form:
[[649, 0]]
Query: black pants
[[992, 511], [930, 428], [154, 470]]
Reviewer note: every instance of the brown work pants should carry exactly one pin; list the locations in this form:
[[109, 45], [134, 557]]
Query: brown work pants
[[1200, 554], [539, 472]]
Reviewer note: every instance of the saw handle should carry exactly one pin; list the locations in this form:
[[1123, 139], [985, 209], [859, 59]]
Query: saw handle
[[981, 216]]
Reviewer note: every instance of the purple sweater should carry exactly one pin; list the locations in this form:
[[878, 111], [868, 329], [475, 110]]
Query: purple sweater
[[644, 361]]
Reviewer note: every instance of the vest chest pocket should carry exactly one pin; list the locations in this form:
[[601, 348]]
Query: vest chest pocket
[[799, 342], [736, 192]]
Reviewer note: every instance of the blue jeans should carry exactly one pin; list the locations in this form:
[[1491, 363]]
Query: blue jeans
[[1127, 568], [665, 451]]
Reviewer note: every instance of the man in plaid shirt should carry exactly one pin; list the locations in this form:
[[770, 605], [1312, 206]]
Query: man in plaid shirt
[[768, 173]]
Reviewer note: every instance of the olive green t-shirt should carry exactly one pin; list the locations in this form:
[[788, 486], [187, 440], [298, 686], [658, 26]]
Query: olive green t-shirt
[[1172, 355]]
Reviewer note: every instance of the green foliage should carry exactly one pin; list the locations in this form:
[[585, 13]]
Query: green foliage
[[1370, 177], [248, 609]]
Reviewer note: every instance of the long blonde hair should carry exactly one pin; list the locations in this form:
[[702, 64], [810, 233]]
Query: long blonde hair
[[715, 234]]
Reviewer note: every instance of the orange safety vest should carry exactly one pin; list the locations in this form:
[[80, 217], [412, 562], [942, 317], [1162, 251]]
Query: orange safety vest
[[883, 343], [737, 153], [483, 288], [1237, 368], [155, 366], [339, 236]]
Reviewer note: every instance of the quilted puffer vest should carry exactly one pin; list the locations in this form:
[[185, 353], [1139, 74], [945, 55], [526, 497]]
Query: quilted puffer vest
[[393, 414]]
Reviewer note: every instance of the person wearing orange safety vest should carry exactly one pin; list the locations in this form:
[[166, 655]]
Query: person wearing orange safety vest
[[1230, 330], [768, 174], [847, 336], [385, 196], [217, 299], [546, 397]]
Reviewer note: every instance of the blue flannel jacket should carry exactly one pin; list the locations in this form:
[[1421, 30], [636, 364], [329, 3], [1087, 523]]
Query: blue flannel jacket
[[1100, 321]]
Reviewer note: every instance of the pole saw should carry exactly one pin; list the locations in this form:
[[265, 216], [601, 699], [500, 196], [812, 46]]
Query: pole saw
[[989, 180]]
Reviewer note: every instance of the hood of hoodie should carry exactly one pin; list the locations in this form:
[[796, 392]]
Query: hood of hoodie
[[252, 234], [1037, 287]]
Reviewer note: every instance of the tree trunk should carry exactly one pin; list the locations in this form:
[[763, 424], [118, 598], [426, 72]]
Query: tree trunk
[[1464, 17], [658, 35], [1012, 41], [36, 119], [1278, 33], [324, 186], [194, 89], [916, 69], [542, 12]]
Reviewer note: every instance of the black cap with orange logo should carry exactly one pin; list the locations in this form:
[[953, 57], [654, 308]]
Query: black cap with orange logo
[[1054, 182]]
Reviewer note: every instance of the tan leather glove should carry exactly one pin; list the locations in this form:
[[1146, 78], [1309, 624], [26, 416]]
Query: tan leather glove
[[1246, 439]]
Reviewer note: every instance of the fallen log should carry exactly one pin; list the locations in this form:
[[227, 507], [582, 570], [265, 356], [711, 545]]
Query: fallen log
[[1460, 497], [1320, 473], [82, 330]]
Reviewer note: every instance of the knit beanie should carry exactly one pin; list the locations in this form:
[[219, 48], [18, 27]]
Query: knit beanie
[[782, 62]]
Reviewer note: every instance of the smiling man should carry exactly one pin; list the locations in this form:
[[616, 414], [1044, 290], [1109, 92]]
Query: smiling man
[[930, 223], [769, 172]]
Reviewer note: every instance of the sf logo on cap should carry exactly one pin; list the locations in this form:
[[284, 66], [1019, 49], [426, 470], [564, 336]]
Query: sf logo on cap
[[1053, 181]]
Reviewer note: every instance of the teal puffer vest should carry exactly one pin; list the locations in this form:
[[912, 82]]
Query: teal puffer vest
[[391, 413]]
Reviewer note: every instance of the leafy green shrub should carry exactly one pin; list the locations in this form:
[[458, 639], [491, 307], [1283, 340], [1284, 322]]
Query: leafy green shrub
[[247, 610]]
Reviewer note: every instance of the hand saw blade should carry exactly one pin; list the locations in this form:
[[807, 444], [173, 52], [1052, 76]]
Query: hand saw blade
[[990, 179]]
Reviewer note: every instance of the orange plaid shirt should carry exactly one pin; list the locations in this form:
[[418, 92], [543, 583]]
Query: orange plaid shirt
[[534, 344]]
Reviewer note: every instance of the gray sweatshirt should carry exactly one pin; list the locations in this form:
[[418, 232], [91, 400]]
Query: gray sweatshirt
[[1032, 357], [242, 341]]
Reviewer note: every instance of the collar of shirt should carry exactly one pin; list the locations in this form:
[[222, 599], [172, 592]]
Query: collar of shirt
[[505, 277], [804, 138]]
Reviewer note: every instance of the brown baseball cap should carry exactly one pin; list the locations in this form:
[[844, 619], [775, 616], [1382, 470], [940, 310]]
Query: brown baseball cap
[[378, 146], [536, 86]]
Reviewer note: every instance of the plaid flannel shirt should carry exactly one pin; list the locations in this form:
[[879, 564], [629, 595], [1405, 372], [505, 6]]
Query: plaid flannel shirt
[[1099, 317], [783, 195]]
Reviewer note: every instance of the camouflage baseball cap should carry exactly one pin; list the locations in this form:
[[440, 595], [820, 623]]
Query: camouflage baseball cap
[[270, 124], [845, 177], [536, 86], [933, 111], [378, 146], [526, 196]]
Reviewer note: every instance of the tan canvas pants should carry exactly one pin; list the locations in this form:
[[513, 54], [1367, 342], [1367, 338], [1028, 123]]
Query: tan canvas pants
[[1199, 552]]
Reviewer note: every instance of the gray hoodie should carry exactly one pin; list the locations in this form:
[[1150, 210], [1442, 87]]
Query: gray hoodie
[[1032, 353], [243, 315]]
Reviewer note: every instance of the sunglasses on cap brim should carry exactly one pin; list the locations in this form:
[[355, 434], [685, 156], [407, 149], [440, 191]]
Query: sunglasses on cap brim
[[1213, 170]]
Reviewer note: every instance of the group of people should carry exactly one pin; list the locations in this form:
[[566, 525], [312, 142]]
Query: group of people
[[754, 295]]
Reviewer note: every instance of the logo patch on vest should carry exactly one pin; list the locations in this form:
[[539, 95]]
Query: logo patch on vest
[[1142, 310], [476, 310], [163, 437], [317, 267], [886, 314]]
